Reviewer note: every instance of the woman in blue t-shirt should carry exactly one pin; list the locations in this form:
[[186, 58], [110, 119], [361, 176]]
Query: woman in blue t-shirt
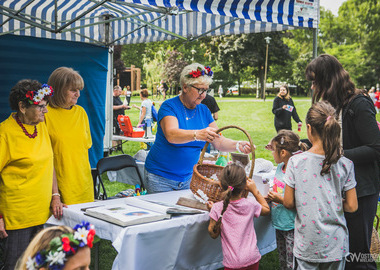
[[184, 126]]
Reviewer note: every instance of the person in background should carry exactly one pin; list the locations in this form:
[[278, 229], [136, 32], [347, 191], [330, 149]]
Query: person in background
[[284, 145], [361, 144], [220, 91], [377, 99], [211, 104], [184, 126], [70, 136], [372, 95], [118, 109], [145, 109], [27, 184], [320, 185], [232, 219], [128, 95], [163, 88], [284, 109], [59, 247]]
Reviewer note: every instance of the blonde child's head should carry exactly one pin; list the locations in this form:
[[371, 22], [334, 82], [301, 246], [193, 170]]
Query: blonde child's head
[[284, 145], [59, 247], [321, 123]]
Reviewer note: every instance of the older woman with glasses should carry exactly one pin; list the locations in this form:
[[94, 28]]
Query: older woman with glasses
[[184, 126], [70, 135], [26, 169]]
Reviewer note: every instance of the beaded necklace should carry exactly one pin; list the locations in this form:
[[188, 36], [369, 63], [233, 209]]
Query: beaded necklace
[[188, 118], [32, 136]]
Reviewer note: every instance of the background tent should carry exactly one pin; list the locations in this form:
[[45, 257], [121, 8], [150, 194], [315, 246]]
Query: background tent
[[104, 23]]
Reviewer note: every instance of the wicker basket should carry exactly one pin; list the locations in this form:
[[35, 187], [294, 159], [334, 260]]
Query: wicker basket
[[375, 240], [202, 173]]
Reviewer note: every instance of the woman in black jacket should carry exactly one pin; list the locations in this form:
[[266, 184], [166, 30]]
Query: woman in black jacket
[[361, 144], [284, 109]]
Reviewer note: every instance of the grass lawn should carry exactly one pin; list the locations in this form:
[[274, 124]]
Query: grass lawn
[[253, 115]]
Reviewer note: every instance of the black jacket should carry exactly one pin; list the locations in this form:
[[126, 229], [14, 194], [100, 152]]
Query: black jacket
[[361, 143], [282, 118]]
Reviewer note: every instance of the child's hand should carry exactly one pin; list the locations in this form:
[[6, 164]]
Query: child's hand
[[209, 205], [251, 186], [275, 197]]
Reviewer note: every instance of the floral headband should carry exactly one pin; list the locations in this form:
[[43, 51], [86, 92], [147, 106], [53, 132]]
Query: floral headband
[[200, 72], [61, 247], [35, 97]]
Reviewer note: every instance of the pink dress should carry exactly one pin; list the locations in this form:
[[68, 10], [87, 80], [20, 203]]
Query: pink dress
[[239, 242]]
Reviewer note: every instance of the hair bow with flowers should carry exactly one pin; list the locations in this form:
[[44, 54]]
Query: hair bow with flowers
[[200, 72], [62, 247], [35, 97]]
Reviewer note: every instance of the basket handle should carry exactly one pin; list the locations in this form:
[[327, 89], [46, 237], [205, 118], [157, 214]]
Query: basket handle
[[249, 139]]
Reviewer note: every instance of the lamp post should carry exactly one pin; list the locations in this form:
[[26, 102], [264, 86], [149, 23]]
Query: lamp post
[[267, 39]]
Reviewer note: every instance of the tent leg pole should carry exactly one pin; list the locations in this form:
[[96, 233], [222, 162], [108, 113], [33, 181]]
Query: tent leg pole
[[315, 43]]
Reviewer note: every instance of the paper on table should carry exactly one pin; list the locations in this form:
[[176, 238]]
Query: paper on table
[[131, 211]]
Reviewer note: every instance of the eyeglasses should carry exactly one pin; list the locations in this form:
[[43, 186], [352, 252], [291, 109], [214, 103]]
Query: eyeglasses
[[42, 107], [269, 147], [201, 90]]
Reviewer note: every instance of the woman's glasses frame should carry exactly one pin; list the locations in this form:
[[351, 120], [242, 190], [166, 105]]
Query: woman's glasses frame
[[201, 90]]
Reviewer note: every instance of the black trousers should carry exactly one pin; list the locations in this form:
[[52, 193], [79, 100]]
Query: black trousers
[[278, 128], [360, 226]]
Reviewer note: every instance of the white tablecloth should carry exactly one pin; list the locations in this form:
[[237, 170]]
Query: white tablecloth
[[181, 242], [134, 139]]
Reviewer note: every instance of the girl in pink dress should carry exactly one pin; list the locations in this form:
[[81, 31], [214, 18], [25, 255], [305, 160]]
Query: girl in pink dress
[[232, 219]]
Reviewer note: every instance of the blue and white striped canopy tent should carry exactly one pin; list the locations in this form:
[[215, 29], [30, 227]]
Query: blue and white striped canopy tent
[[37, 36], [138, 21]]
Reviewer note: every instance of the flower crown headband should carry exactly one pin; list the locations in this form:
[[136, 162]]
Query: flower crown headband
[[200, 72], [62, 247], [35, 97]]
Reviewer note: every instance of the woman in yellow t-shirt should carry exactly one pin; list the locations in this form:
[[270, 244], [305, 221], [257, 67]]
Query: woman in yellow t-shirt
[[69, 131], [26, 169]]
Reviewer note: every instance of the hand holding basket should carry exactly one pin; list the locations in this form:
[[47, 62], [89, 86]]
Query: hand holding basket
[[202, 172]]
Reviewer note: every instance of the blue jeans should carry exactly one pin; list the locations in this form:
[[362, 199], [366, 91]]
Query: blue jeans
[[155, 183]]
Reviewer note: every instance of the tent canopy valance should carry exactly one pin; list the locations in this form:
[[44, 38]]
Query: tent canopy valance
[[109, 22]]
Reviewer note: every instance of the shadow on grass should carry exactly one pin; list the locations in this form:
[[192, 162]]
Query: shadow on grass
[[107, 255]]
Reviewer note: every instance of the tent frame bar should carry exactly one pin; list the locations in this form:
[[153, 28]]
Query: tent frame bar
[[17, 12], [20, 16]]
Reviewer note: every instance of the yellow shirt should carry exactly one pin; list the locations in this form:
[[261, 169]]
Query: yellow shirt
[[26, 175], [70, 136]]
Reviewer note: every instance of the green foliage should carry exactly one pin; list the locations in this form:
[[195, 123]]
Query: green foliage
[[173, 66], [154, 70], [247, 52]]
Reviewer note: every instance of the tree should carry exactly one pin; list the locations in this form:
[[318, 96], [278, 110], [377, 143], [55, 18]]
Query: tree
[[118, 63], [237, 52], [173, 66], [153, 69]]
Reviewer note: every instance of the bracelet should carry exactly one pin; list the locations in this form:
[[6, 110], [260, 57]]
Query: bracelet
[[195, 136], [237, 147], [56, 194]]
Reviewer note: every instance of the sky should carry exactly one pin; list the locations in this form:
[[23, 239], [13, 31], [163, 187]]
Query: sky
[[332, 5]]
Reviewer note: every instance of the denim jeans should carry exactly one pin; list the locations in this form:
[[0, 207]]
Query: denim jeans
[[155, 183]]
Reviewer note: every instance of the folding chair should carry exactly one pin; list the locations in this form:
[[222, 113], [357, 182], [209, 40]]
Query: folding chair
[[112, 163]]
